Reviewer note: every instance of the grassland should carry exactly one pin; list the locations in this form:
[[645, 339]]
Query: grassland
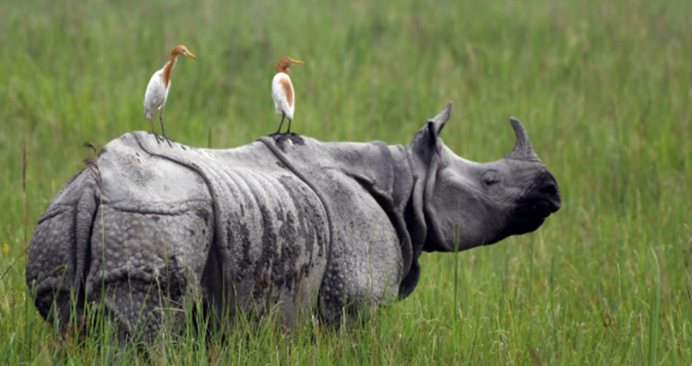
[[604, 89]]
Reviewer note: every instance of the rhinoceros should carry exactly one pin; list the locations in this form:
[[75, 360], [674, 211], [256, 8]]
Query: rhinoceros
[[286, 222]]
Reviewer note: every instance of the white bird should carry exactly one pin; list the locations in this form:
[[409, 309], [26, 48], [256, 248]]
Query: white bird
[[158, 88], [282, 91]]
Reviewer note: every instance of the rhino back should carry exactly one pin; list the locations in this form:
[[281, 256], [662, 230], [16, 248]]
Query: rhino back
[[268, 233]]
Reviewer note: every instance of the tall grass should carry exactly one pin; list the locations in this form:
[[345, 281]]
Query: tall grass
[[604, 89]]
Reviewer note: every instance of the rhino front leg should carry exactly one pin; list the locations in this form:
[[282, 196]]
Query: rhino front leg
[[348, 291]]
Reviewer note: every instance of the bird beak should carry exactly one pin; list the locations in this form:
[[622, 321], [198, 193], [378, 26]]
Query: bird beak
[[191, 55], [297, 62]]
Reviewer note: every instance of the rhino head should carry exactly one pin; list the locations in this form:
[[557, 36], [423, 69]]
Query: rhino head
[[471, 204]]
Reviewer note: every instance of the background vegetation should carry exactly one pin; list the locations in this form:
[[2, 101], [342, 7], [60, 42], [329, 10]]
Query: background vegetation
[[604, 89]]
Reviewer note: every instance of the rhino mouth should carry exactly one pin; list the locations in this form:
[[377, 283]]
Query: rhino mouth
[[529, 214], [543, 207], [543, 201]]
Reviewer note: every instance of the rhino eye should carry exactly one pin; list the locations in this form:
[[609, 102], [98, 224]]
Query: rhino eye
[[490, 181], [490, 178]]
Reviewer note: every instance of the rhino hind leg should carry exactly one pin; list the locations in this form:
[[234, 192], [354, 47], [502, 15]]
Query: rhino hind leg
[[145, 267], [58, 253], [142, 309]]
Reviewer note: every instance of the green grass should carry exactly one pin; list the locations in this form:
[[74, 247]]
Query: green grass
[[604, 89]]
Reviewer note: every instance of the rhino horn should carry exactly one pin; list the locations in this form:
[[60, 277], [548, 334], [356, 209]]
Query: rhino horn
[[523, 150]]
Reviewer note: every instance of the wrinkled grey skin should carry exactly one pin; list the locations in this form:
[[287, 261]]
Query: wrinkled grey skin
[[309, 226]]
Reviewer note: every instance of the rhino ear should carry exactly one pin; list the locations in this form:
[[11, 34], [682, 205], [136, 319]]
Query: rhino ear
[[428, 136], [437, 123]]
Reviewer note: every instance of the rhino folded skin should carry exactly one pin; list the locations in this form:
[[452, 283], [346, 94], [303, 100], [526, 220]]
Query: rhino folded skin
[[308, 226]]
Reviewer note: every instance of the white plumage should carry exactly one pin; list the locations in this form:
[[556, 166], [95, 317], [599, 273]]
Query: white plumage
[[281, 104], [159, 86], [156, 95], [282, 91]]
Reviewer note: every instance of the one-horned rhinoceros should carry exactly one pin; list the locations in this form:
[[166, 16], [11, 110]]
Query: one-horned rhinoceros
[[286, 222]]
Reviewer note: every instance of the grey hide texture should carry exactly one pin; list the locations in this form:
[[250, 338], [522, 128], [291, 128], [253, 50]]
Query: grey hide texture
[[287, 221]]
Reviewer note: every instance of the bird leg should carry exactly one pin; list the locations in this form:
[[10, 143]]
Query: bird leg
[[289, 126], [154, 131], [283, 115], [163, 132]]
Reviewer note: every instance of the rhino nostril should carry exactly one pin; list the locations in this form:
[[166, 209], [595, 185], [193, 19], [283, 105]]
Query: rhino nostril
[[550, 189]]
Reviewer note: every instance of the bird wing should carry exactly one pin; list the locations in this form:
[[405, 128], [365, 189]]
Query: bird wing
[[282, 92], [156, 93]]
